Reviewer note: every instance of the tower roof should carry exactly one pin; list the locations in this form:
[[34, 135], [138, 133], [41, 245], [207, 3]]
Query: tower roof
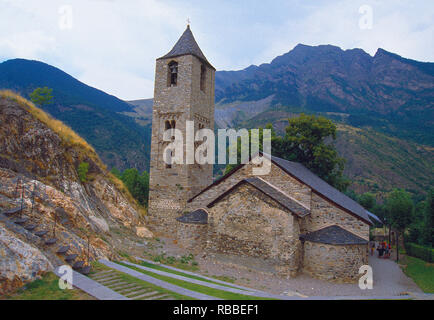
[[187, 45]]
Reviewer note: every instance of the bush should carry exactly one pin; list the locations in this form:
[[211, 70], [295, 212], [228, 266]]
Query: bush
[[421, 252], [82, 170]]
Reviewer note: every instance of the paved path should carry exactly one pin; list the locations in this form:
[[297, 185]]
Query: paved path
[[208, 284], [157, 282], [92, 287], [195, 274]]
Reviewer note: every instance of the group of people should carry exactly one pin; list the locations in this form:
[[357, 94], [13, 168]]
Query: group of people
[[384, 249]]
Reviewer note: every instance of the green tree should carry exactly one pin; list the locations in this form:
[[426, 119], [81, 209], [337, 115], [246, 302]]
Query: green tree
[[116, 172], [41, 96], [367, 201], [137, 184], [82, 170], [400, 208], [305, 141], [427, 229]]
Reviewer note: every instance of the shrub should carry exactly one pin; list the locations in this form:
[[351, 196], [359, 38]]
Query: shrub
[[421, 252], [82, 170]]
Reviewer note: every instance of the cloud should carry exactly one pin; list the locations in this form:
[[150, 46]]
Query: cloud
[[113, 44]]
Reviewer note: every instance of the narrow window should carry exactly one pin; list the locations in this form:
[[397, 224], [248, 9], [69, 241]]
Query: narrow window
[[172, 76], [202, 77]]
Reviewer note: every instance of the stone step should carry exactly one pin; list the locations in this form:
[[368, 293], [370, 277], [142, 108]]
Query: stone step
[[63, 250], [126, 286], [110, 281], [78, 265], [100, 275], [41, 233], [51, 241], [133, 294], [86, 270], [13, 211], [145, 295], [117, 284], [30, 227], [71, 257], [156, 297], [130, 289], [21, 221]]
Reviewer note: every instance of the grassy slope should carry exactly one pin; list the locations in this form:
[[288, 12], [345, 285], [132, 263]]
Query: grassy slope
[[420, 271], [198, 288], [47, 288], [162, 268]]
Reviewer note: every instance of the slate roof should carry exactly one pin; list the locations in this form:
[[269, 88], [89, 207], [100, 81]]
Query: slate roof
[[304, 175], [187, 45], [320, 186], [286, 201], [333, 235], [199, 216]]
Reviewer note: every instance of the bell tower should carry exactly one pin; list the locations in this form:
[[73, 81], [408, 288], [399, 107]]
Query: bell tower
[[184, 91]]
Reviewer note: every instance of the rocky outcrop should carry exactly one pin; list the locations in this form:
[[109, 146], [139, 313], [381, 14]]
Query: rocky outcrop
[[19, 261], [40, 163]]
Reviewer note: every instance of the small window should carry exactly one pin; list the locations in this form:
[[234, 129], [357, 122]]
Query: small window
[[170, 124], [202, 77], [172, 76]]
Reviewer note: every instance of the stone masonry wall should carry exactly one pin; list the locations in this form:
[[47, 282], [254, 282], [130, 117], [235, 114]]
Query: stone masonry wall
[[171, 187], [192, 236], [247, 223], [324, 213], [277, 177], [338, 263]]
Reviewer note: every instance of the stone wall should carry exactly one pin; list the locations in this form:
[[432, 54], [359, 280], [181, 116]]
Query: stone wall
[[339, 263], [192, 236], [277, 177], [324, 213], [247, 223], [171, 187]]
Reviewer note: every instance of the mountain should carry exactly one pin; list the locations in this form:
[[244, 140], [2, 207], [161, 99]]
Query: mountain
[[95, 115], [39, 157], [386, 92]]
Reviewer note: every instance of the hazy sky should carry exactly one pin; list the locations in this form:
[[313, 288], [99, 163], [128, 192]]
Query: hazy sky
[[112, 44]]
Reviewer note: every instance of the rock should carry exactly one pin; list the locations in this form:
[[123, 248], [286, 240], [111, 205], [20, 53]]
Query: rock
[[100, 223], [19, 262], [143, 232]]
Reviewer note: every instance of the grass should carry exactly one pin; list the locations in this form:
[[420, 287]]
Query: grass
[[197, 288], [179, 273], [420, 271], [47, 288], [68, 136], [185, 262], [97, 267]]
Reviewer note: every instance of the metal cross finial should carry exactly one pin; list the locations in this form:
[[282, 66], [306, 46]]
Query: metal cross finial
[[188, 21]]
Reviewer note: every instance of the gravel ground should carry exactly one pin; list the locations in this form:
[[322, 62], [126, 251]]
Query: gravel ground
[[389, 280]]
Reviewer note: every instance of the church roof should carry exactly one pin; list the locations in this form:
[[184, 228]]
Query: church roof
[[333, 235], [199, 216], [187, 45], [284, 200], [319, 186]]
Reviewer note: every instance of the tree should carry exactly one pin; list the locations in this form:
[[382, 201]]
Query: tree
[[400, 209], [116, 172], [305, 142], [427, 228], [137, 184], [82, 170], [367, 201], [41, 96]]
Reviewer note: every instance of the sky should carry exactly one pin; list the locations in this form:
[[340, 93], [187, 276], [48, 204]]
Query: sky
[[112, 44]]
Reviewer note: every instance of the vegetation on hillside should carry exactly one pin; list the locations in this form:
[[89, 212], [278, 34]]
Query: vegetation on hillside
[[137, 184]]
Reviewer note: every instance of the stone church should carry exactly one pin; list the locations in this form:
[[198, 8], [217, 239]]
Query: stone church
[[288, 221]]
